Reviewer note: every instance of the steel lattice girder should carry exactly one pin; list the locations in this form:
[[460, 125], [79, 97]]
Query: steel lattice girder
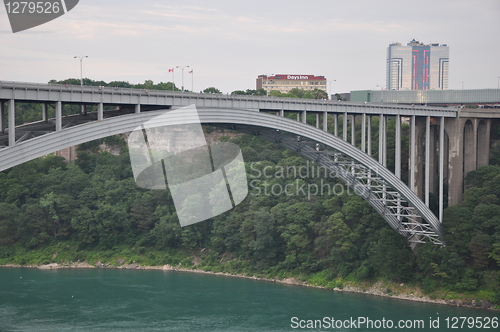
[[365, 182], [370, 179]]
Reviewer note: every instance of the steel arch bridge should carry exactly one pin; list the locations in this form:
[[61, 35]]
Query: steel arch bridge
[[386, 193]]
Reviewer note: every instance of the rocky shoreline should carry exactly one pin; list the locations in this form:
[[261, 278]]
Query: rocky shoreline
[[377, 289]]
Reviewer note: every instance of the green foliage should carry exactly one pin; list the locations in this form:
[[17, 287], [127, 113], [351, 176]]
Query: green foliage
[[92, 211], [211, 90]]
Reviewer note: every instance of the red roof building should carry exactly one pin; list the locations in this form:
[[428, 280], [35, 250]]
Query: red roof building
[[286, 82]]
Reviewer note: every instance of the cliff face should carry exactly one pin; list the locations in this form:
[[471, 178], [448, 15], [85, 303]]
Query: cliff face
[[212, 135]]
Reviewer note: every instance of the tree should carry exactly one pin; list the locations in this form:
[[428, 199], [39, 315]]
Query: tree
[[8, 231], [319, 94], [480, 247]]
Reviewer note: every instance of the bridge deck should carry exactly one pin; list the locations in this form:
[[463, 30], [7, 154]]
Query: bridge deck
[[40, 93]]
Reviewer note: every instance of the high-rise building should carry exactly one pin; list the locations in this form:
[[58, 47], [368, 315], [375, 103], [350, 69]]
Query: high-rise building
[[285, 82], [417, 66]]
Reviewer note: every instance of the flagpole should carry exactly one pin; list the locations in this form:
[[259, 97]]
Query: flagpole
[[192, 80], [173, 79]]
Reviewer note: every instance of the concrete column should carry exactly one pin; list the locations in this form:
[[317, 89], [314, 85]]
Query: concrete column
[[470, 146], [2, 116], [353, 130], [483, 142], [397, 157], [138, 108], [455, 129], [58, 115], [384, 145], [304, 116], [325, 121], [12, 122], [441, 168], [344, 123], [45, 112], [100, 112], [317, 120], [282, 113], [427, 158], [298, 116], [369, 133], [381, 133], [336, 124], [413, 146], [363, 132]]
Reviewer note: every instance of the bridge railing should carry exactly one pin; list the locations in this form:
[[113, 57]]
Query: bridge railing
[[194, 95]]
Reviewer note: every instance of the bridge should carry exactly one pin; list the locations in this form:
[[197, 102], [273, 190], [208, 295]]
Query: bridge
[[347, 156]]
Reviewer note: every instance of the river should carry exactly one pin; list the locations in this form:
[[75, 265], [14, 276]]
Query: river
[[155, 300]]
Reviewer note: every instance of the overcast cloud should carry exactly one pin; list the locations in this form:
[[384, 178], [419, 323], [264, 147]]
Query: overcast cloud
[[229, 43]]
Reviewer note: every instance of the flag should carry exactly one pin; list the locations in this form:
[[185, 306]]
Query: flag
[[171, 70]]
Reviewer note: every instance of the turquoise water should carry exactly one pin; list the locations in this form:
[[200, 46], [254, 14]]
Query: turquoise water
[[141, 300]]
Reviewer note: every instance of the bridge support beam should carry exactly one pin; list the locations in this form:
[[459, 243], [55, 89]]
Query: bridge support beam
[[384, 144], [381, 134], [412, 167], [304, 116], [12, 122], [483, 142], [317, 120], [45, 116], [137, 108], [336, 125], [325, 121], [455, 131], [369, 134], [353, 130], [100, 111], [59, 115], [363, 132], [2, 116], [427, 158], [441, 169], [344, 126], [397, 157]]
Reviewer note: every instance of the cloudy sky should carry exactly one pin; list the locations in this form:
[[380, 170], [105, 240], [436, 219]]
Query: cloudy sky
[[229, 43]]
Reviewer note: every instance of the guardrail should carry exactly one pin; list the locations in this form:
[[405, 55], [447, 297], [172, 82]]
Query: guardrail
[[179, 94]]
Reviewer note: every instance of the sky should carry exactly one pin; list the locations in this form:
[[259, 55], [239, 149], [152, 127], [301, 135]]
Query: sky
[[229, 43]]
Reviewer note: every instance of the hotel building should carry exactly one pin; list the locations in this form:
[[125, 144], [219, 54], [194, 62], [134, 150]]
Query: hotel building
[[417, 66], [285, 82]]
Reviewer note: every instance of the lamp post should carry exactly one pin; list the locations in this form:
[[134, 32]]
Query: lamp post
[[182, 69], [381, 93], [81, 66], [330, 87]]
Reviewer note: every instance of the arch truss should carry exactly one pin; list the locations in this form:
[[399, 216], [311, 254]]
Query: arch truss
[[367, 182], [391, 198]]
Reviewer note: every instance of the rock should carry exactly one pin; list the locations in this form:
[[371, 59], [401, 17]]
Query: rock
[[51, 266]]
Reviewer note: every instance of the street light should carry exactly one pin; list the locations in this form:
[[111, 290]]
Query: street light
[[330, 85], [381, 93], [182, 69], [81, 66]]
